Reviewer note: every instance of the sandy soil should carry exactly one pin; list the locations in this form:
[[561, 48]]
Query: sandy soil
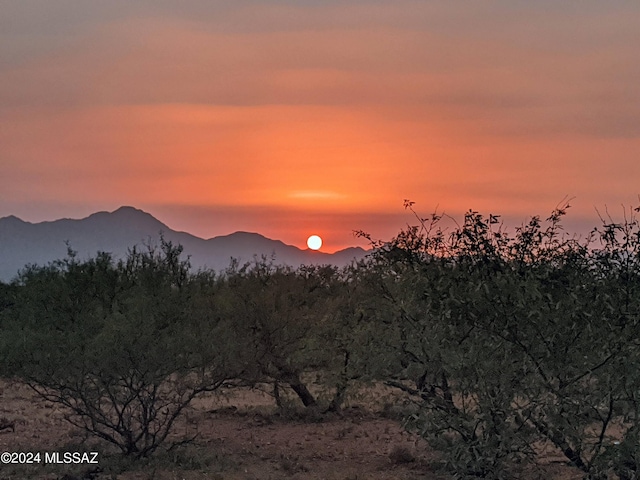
[[239, 436]]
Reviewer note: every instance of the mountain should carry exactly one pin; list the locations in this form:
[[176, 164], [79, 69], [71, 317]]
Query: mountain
[[23, 243]]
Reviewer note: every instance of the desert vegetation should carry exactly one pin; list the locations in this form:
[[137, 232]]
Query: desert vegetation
[[504, 345]]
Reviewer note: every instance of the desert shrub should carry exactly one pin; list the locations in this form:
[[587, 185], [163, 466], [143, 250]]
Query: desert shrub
[[275, 310], [124, 346], [310, 324], [508, 342], [344, 336], [401, 454]]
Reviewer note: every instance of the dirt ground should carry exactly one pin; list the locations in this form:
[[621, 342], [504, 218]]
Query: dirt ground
[[240, 435]]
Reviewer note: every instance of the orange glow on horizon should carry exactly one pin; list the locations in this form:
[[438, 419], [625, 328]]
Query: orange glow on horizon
[[287, 118]]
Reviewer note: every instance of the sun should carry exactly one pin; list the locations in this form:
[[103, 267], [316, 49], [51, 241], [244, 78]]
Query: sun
[[314, 242]]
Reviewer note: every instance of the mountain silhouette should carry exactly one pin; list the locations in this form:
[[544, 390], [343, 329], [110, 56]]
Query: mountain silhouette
[[23, 243]]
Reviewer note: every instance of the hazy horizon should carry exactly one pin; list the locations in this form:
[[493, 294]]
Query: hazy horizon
[[572, 226], [138, 210]]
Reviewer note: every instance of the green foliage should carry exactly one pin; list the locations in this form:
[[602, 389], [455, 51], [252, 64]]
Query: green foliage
[[510, 342], [125, 347], [277, 311]]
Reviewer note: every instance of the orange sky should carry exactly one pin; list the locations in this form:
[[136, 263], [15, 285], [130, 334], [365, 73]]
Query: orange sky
[[292, 118]]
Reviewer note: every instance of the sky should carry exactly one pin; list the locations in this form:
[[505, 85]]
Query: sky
[[289, 118]]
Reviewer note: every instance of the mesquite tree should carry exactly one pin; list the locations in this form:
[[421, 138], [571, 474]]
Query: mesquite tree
[[123, 346], [275, 313], [510, 342]]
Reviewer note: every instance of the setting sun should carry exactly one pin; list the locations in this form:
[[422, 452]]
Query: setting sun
[[314, 242]]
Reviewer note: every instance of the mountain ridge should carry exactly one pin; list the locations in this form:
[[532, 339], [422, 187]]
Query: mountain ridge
[[23, 243]]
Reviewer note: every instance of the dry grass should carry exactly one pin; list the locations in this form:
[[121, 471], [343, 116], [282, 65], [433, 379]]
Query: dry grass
[[240, 434]]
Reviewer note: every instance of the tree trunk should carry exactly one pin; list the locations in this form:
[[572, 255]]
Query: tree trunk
[[341, 387], [293, 379], [305, 395]]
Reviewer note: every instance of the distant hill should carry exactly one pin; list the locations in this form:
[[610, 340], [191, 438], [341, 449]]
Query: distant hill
[[23, 243]]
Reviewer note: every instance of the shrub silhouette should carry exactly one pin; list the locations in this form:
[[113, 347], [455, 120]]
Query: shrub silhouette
[[508, 342]]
